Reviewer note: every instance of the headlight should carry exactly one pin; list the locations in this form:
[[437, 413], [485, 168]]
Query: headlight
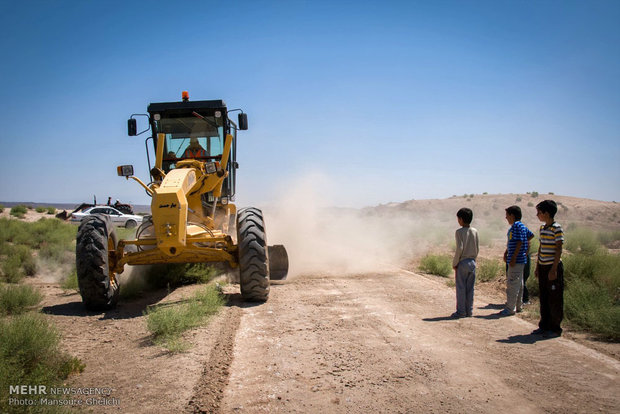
[[224, 200], [210, 167]]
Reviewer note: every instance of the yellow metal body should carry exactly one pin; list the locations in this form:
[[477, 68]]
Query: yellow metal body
[[183, 229]]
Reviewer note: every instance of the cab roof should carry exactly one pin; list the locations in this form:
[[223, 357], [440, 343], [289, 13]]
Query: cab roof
[[185, 106]]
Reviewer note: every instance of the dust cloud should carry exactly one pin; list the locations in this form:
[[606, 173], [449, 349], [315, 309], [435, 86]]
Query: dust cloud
[[321, 238]]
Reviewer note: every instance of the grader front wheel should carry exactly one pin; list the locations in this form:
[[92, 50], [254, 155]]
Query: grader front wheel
[[96, 240], [253, 255]]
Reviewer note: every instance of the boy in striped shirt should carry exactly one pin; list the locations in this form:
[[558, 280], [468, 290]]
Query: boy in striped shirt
[[515, 257], [550, 271]]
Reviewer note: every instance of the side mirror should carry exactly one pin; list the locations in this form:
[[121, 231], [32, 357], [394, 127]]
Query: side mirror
[[243, 122], [125, 170], [132, 127]]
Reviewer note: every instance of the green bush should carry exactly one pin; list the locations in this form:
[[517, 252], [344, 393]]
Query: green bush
[[19, 211], [591, 296], [16, 299], [51, 210], [173, 275], [534, 194], [436, 264], [30, 354], [70, 282], [168, 321], [41, 209], [582, 240], [46, 230], [18, 262], [609, 238], [532, 282], [12, 271], [489, 270], [587, 306]]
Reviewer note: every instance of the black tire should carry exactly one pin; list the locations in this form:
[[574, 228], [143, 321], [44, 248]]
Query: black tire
[[95, 238], [130, 224], [253, 255], [278, 262]]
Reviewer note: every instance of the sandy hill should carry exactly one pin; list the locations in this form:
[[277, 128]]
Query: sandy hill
[[489, 210]]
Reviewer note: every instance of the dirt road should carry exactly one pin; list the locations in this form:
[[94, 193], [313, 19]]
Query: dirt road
[[339, 344]]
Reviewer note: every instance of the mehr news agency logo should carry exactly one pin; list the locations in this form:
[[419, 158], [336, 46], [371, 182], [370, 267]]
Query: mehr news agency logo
[[41, 395]]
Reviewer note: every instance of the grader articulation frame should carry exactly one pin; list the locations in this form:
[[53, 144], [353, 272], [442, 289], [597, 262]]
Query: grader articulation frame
[[193, 218]]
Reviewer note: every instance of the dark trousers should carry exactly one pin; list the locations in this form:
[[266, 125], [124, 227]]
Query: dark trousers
[[551, 298], [526, 274]]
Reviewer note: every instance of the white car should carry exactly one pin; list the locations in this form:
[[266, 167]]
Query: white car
[[119, 219]]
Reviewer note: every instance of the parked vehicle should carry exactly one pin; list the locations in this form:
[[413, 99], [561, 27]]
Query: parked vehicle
[[117, 217]]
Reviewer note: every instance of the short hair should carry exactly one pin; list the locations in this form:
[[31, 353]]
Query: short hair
[[465, 214], [547, 206], [515, 211]]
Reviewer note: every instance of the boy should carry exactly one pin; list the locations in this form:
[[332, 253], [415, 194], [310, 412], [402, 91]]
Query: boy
[[464, 263], [550, 271], [515, 257]]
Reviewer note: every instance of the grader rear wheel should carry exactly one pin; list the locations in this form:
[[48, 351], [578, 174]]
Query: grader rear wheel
[[253, 255], [96, 240]]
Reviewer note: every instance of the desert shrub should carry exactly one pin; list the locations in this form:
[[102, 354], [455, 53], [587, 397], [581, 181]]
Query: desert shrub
[[591, 296], [532, 282], [1, 208], [17, 262], [19, 211], [588, 308], [530, 204], [168, 321], [16, 299], [12, 271], [30, 354], [51, 237], [518, 199], [609, 238], [551, 193], [581, 240], [534, 194], [28, 263], [436, 264], [70, 282], [51, 210], [489, 270], [174, 274], [40, 209]]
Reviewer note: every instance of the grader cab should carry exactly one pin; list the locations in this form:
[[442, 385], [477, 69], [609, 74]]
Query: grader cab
[[193, 217]]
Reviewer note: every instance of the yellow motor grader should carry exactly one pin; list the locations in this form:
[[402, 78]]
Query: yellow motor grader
[[193, 219]]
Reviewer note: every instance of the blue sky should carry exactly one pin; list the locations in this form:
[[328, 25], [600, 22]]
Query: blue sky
[[381, 101]]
